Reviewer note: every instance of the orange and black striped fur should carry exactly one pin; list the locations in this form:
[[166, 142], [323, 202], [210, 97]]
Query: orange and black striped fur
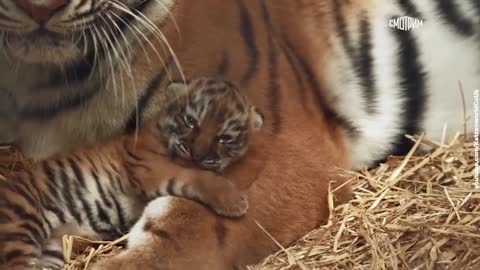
[[338, 85], [100, 191]]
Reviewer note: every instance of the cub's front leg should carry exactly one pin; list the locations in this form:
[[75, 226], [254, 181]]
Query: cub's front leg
[[164, 177]]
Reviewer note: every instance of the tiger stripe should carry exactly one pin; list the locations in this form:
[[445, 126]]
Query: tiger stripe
[[412, 79], [136, 116], [409, 8], [274, 91], [247, 33], [454, 18], [364, 66]]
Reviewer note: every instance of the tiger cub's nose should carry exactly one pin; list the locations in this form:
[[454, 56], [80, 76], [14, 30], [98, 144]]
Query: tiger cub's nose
[[40, 10]]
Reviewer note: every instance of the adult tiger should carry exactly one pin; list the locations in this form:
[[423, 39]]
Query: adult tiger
[[338, 87]]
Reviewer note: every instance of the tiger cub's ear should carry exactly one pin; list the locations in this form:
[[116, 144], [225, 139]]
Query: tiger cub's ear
[[256, 118], [175, 90]]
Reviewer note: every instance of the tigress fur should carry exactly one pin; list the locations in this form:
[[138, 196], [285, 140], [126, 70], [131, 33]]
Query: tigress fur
[[339, 88], [99, 192]]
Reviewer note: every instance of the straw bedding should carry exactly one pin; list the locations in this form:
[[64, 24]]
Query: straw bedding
[[421, 211]]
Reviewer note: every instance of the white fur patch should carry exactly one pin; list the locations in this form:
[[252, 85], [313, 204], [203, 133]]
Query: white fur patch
[[156, 209], [449, 58], [446, 57]]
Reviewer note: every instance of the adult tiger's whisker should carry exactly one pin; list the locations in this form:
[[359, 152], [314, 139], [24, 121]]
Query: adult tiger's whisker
[[119, 54], [153, 29], [126, 46]]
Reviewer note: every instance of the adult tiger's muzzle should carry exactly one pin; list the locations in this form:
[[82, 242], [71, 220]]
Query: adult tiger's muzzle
[[40, 10]]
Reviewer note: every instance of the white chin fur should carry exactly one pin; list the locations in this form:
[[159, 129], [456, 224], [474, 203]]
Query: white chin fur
[[64, 52]]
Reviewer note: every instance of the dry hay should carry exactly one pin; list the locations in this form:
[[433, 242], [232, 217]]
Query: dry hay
[[11, 161], [420, 211], [414, 212], [79, 253]]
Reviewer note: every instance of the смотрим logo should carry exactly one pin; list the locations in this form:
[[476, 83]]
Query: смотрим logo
[[405, 23]]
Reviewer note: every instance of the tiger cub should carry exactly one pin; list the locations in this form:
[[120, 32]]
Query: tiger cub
[[100, 191]]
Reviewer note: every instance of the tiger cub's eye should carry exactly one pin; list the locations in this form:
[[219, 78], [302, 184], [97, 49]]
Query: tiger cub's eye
[[189, 121], [225, 138]]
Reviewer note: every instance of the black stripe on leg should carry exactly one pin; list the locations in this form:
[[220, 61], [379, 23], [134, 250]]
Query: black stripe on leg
[[30, 222], [50, 197], [221, 231], [17, 189], [360, 58], [101, 213], [171, 186], [17, 236], [413, 83], [27, 182], [77, 172], [132, 179], [4, 218], [36, 234], [67, 193], [136, 116], [410, 9], [56, 211], [89, 213], [101, 190], [12, 255], [48, 171], [247, 31], [130, 153], [122, 220], [342, 29], [53, 254], [313, 84], [294, 67], [364, 66], [274, 88], [453, 17], [115, 178]]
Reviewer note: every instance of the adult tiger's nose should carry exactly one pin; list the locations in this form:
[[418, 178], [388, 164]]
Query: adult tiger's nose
[[40, 10]]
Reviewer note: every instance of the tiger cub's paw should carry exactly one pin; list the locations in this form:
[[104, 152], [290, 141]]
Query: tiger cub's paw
[[231, 204]]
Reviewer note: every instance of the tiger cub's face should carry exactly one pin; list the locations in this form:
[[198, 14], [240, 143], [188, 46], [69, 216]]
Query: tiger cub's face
[[209, 122]]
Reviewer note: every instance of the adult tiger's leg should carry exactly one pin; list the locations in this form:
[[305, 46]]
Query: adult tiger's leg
[[288, 200]]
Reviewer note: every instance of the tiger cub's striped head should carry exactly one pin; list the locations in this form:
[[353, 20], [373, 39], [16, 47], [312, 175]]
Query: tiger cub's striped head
[[208, 121]]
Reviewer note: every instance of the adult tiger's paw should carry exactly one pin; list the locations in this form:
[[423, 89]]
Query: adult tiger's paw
[[172, 234]]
